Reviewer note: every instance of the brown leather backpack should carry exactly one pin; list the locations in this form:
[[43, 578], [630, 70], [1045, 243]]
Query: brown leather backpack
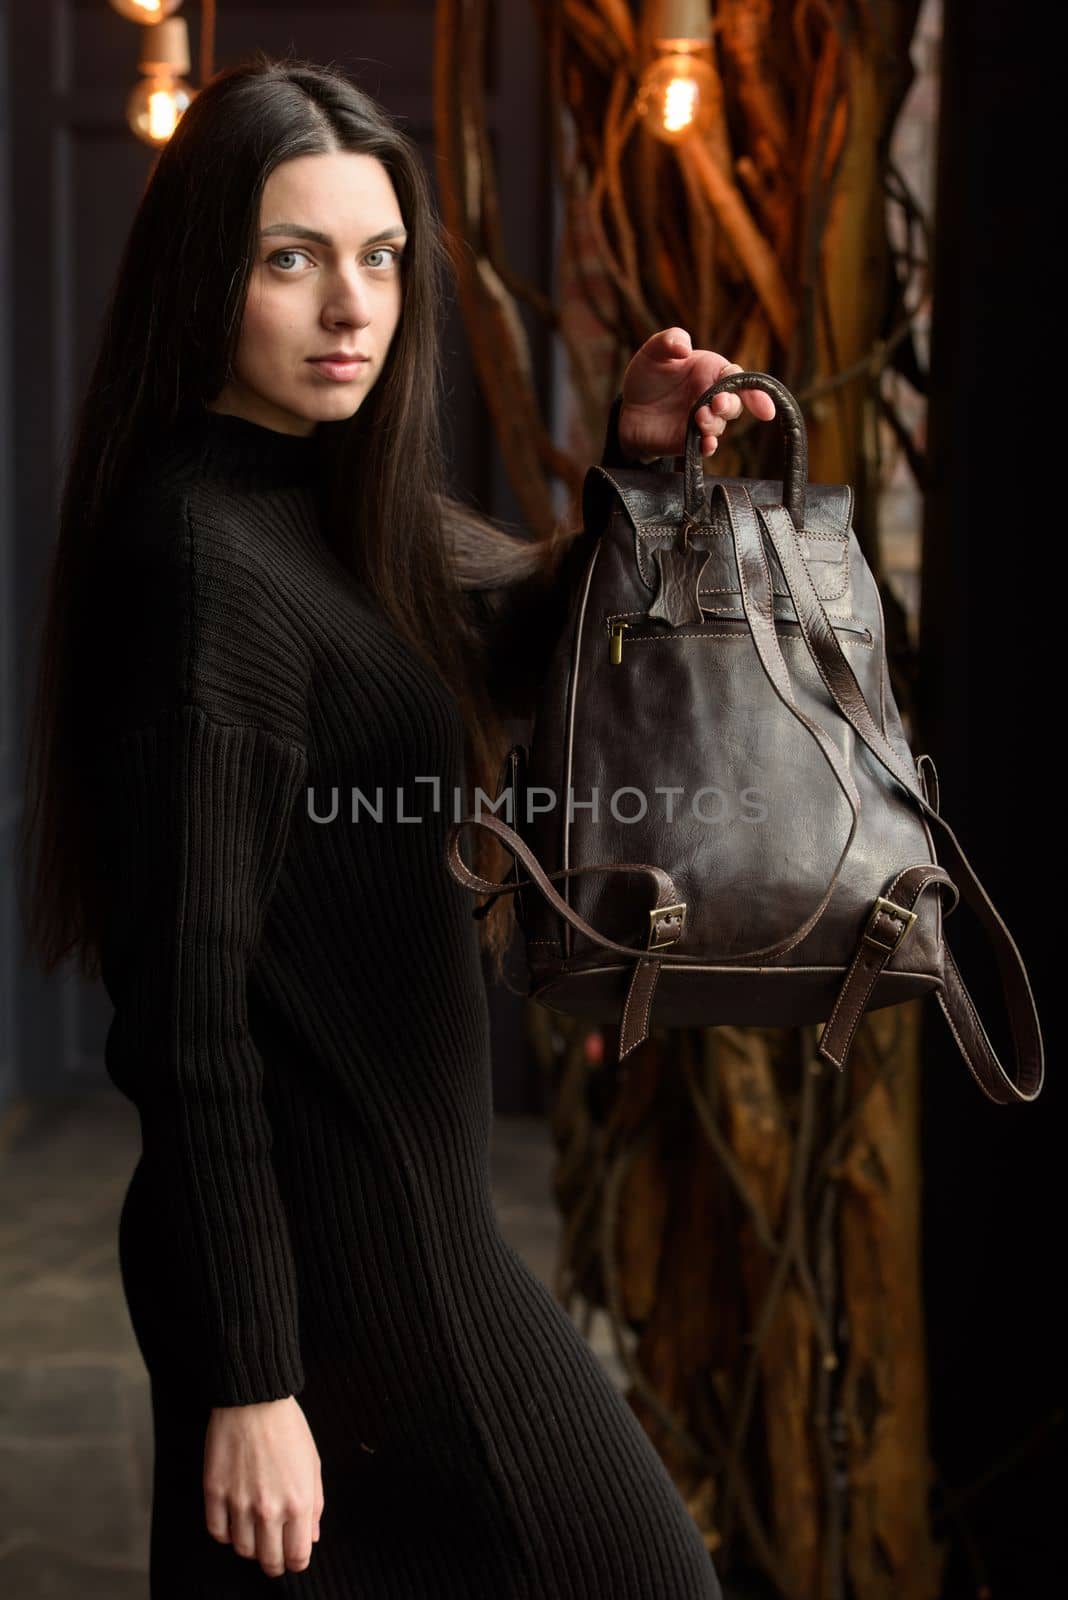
[[719, 810]]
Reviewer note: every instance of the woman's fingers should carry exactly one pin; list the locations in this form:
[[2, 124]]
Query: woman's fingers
[[729, 405], [710, 420], [710, 427], [279, 1537], [243, 1531], [217, 1515], [756, 400], [269, 1549], [298, 1536]]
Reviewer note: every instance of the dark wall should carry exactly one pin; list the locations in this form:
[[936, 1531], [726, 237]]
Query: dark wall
[[995, 1175], [73, 179]]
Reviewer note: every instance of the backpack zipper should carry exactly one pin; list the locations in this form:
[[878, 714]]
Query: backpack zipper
[[619, 628]]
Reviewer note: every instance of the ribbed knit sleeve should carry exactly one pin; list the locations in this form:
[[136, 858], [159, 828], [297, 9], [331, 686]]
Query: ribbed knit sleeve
[[193, 803], [199, 811]]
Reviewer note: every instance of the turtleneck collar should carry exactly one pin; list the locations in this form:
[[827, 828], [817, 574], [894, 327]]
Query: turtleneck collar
[[258, 457]]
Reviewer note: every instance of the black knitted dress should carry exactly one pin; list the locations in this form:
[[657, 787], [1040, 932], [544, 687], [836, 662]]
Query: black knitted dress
[[301, 1021]]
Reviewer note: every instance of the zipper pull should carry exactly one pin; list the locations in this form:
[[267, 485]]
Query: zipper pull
[[615, 648]]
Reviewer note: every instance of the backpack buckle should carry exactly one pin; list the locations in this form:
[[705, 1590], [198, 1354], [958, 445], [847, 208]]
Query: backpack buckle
[[888, 907], [666, 915]]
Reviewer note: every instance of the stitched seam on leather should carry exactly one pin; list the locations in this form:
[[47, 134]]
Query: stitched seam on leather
[[626, 1010], [884, 672], [934, 858], [863, 995], [944, 1003], [647, 530], [928, 877], [790, 970], [649, 992], [839, 616], [650, 985], [566, 942], [842, 520], [973, 1015]]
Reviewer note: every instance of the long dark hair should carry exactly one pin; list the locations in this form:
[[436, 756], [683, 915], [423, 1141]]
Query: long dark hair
[[167, 343]]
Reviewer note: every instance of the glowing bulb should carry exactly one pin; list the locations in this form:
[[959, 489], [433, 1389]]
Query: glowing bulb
[[156, 104], [147, 11], [677, 96]]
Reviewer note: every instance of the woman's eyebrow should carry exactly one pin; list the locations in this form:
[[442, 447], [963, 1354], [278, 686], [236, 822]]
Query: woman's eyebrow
[[295, 231]]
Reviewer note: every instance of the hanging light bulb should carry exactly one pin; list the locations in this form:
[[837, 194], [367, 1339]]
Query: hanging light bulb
[[679, 89], [156, 104], [145, 10]]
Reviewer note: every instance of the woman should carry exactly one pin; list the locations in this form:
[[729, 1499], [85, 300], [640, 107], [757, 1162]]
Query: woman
[[263, 596]]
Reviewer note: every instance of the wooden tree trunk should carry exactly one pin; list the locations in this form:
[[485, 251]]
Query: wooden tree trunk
[[890, 1553]]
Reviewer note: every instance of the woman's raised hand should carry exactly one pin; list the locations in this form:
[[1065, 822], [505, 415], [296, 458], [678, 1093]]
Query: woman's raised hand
[[662, 381], [263, 1487]]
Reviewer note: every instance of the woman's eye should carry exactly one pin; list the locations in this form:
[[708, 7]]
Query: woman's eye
[[273, 259], [388, 250]]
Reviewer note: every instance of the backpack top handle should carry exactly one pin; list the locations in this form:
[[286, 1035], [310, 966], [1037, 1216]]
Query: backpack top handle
[[795, 471]]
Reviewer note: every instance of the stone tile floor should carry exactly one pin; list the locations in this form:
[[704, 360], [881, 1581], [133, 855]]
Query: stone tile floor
[[75, 1421]]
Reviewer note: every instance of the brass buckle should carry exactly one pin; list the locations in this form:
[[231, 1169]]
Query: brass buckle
[[907, 918], [664, 912]]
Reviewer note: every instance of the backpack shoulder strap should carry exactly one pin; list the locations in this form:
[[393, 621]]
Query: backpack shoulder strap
[[889, 917]]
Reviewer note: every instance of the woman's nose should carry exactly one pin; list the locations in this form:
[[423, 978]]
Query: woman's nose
[[347, 298]]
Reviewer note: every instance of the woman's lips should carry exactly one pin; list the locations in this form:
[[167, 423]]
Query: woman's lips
[[341, 371]]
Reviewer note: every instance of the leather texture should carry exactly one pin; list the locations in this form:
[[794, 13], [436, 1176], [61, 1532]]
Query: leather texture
[[719, 815]]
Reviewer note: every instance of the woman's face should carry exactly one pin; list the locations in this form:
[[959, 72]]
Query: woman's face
[[312, 297]]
